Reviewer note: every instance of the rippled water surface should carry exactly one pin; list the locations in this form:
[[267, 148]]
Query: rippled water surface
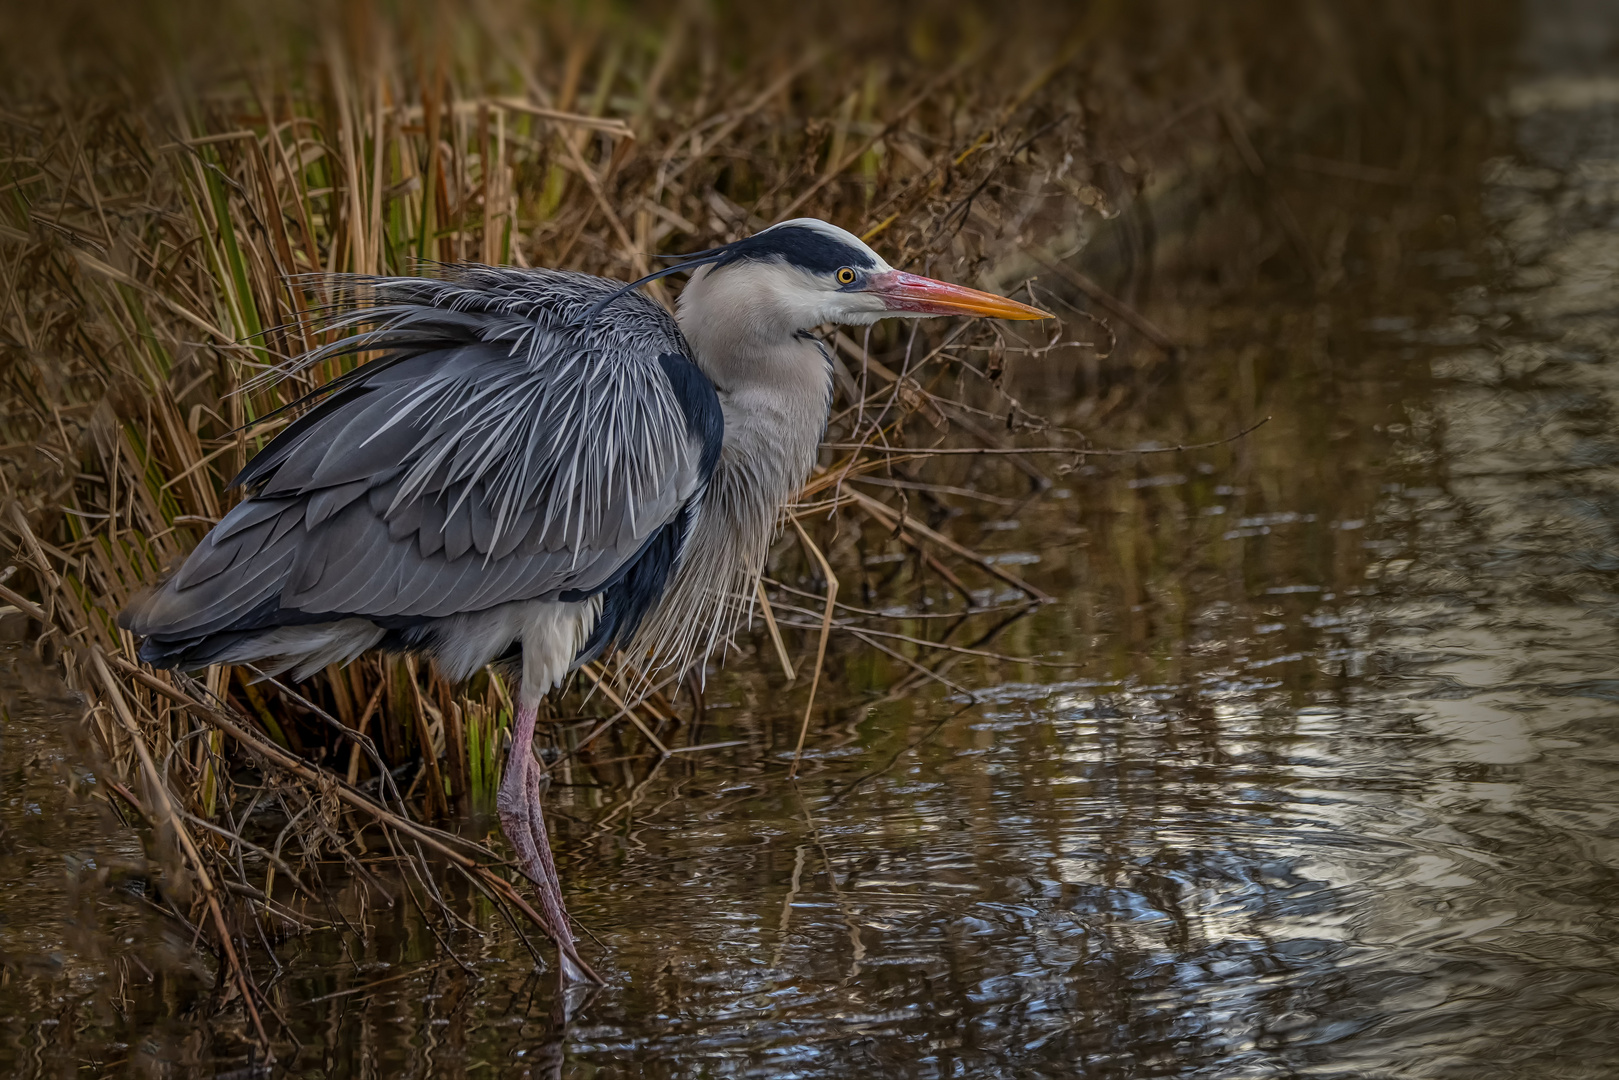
[[1323, 779]]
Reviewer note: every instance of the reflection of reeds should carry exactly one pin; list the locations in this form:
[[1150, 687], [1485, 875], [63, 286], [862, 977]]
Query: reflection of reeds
[[152, 252]]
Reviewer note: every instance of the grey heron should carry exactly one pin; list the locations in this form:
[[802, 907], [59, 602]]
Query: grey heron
[[538, 466]]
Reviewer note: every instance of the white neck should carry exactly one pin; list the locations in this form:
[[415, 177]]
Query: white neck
[[774, 388], [774, 385]]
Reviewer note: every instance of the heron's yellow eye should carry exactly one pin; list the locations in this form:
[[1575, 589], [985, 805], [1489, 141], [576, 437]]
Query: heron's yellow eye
[[846, 276]]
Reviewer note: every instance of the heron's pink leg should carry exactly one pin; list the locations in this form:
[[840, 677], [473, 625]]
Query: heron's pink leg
[[550, 887], [522, 819]]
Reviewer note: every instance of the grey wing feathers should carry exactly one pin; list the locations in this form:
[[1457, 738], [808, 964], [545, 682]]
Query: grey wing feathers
[[503, 448]]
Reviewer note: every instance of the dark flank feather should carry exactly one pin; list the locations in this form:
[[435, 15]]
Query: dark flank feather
[[502, 450]]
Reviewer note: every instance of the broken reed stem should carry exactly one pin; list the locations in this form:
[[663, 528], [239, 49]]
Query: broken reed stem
[[919, 668], [820, 649], [624, 710], [24, 605], [437, 803], [911, 453], [359, 729], [160, 796], [943, 646], [775, 632], [893, 520]]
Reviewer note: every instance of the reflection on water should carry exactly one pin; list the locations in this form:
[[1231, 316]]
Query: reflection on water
[[1331, 793]]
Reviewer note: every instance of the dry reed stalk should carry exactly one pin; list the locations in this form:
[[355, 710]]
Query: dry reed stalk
[[776, 642], [820, 647]]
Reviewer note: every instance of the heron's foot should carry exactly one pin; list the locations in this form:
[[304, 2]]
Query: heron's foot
[[525, 829]]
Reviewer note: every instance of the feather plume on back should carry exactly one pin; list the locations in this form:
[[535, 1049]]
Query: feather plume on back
[[501, 451], [569, 425]]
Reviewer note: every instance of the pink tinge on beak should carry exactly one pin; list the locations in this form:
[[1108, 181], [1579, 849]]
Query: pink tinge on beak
[[924, 296]]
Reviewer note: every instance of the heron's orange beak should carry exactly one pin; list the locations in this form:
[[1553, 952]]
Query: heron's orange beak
[[923, 296]]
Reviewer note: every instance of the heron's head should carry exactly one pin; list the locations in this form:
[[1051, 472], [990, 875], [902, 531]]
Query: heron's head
[[806, 272]]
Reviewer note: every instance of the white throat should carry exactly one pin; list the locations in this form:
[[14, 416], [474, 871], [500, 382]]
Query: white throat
[[775, 389], [747, 328]]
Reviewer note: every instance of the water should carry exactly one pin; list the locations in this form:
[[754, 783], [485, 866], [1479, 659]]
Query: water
[[1328, 790]]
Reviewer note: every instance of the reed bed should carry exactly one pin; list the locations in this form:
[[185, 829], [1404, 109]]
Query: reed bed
[[160, 241]]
